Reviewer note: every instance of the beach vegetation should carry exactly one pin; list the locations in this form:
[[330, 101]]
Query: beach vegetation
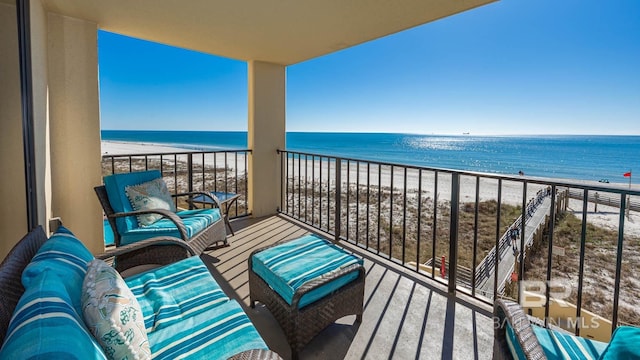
[[599, 267]]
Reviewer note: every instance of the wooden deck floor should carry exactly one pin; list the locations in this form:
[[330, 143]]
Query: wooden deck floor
[[406, 316]]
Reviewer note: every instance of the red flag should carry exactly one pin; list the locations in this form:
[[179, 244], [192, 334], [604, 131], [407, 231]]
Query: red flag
[[627, 174]]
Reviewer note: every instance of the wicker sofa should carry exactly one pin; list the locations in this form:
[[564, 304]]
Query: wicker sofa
[[184, 311]]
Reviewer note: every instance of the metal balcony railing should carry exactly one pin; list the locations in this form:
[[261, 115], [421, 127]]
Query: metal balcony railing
[[465, 229], [223, 171]]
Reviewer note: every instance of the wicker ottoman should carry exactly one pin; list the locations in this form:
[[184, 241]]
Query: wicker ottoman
[[307, 284]]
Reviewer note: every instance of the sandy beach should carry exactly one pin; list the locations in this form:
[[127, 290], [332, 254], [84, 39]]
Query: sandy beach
[[234, 160], [124, 147], [511, 190]]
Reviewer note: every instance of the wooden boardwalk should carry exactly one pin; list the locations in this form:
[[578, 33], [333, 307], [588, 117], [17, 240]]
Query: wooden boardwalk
[[406, 316], [507, 257]]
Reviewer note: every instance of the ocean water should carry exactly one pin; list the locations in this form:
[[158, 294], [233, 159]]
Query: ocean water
[[559, 156]]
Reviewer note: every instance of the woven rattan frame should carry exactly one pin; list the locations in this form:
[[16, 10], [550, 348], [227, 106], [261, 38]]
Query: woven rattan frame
[[153, 251], [302, 325], [256, 355], [11, 273], [213, 236], [508, 311]]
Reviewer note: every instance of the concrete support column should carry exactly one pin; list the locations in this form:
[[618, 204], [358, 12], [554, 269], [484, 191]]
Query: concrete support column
[[267, 94], [74, 125]]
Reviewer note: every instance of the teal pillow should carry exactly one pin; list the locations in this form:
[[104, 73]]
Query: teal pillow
[[45, 325], [64, 257], [624, 344]]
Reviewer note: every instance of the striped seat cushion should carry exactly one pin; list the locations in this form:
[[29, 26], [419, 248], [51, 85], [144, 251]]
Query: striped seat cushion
[[172, 293], [217, 333], [194, 220], [290, 265], [560, 345]]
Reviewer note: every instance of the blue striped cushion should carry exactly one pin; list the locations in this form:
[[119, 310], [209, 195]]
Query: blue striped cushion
[[560, 345], [288, 266], [194, 220], [64, 256], [45, 324], [218, 333], [170, 294]]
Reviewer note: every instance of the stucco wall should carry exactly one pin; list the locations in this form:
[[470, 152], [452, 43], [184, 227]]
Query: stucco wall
[[75, 126], [13, 213]]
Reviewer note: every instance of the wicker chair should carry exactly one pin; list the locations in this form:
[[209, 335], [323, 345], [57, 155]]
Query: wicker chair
[[510, 312], [122, 220], [532, 339]]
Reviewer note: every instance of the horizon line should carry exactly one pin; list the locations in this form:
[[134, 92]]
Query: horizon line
[[381, 132]]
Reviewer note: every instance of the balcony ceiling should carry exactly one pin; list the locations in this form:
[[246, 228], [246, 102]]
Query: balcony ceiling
[[277, 31]]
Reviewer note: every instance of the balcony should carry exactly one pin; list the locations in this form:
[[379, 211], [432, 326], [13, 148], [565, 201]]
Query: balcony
[[439, 246], [406, 316]]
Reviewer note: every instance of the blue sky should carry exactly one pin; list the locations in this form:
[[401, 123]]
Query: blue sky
[[511, 67]]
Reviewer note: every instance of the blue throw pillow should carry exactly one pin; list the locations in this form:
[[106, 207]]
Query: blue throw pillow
[[66, 258], [624, 344], [45, 324]]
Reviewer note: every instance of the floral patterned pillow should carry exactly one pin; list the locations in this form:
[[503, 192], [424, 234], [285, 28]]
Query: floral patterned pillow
[[150, 195], [112, 313]]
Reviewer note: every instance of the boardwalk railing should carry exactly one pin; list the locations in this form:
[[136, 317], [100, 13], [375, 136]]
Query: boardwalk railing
[[508, 241], [419, 216], [605, 199], [223, 171]]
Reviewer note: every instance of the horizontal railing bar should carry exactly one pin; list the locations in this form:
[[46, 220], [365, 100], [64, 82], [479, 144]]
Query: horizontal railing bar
[[107, 156], [169, 166], [568, 183]]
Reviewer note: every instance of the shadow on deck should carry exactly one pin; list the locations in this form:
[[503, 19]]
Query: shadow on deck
[[406, 316]]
